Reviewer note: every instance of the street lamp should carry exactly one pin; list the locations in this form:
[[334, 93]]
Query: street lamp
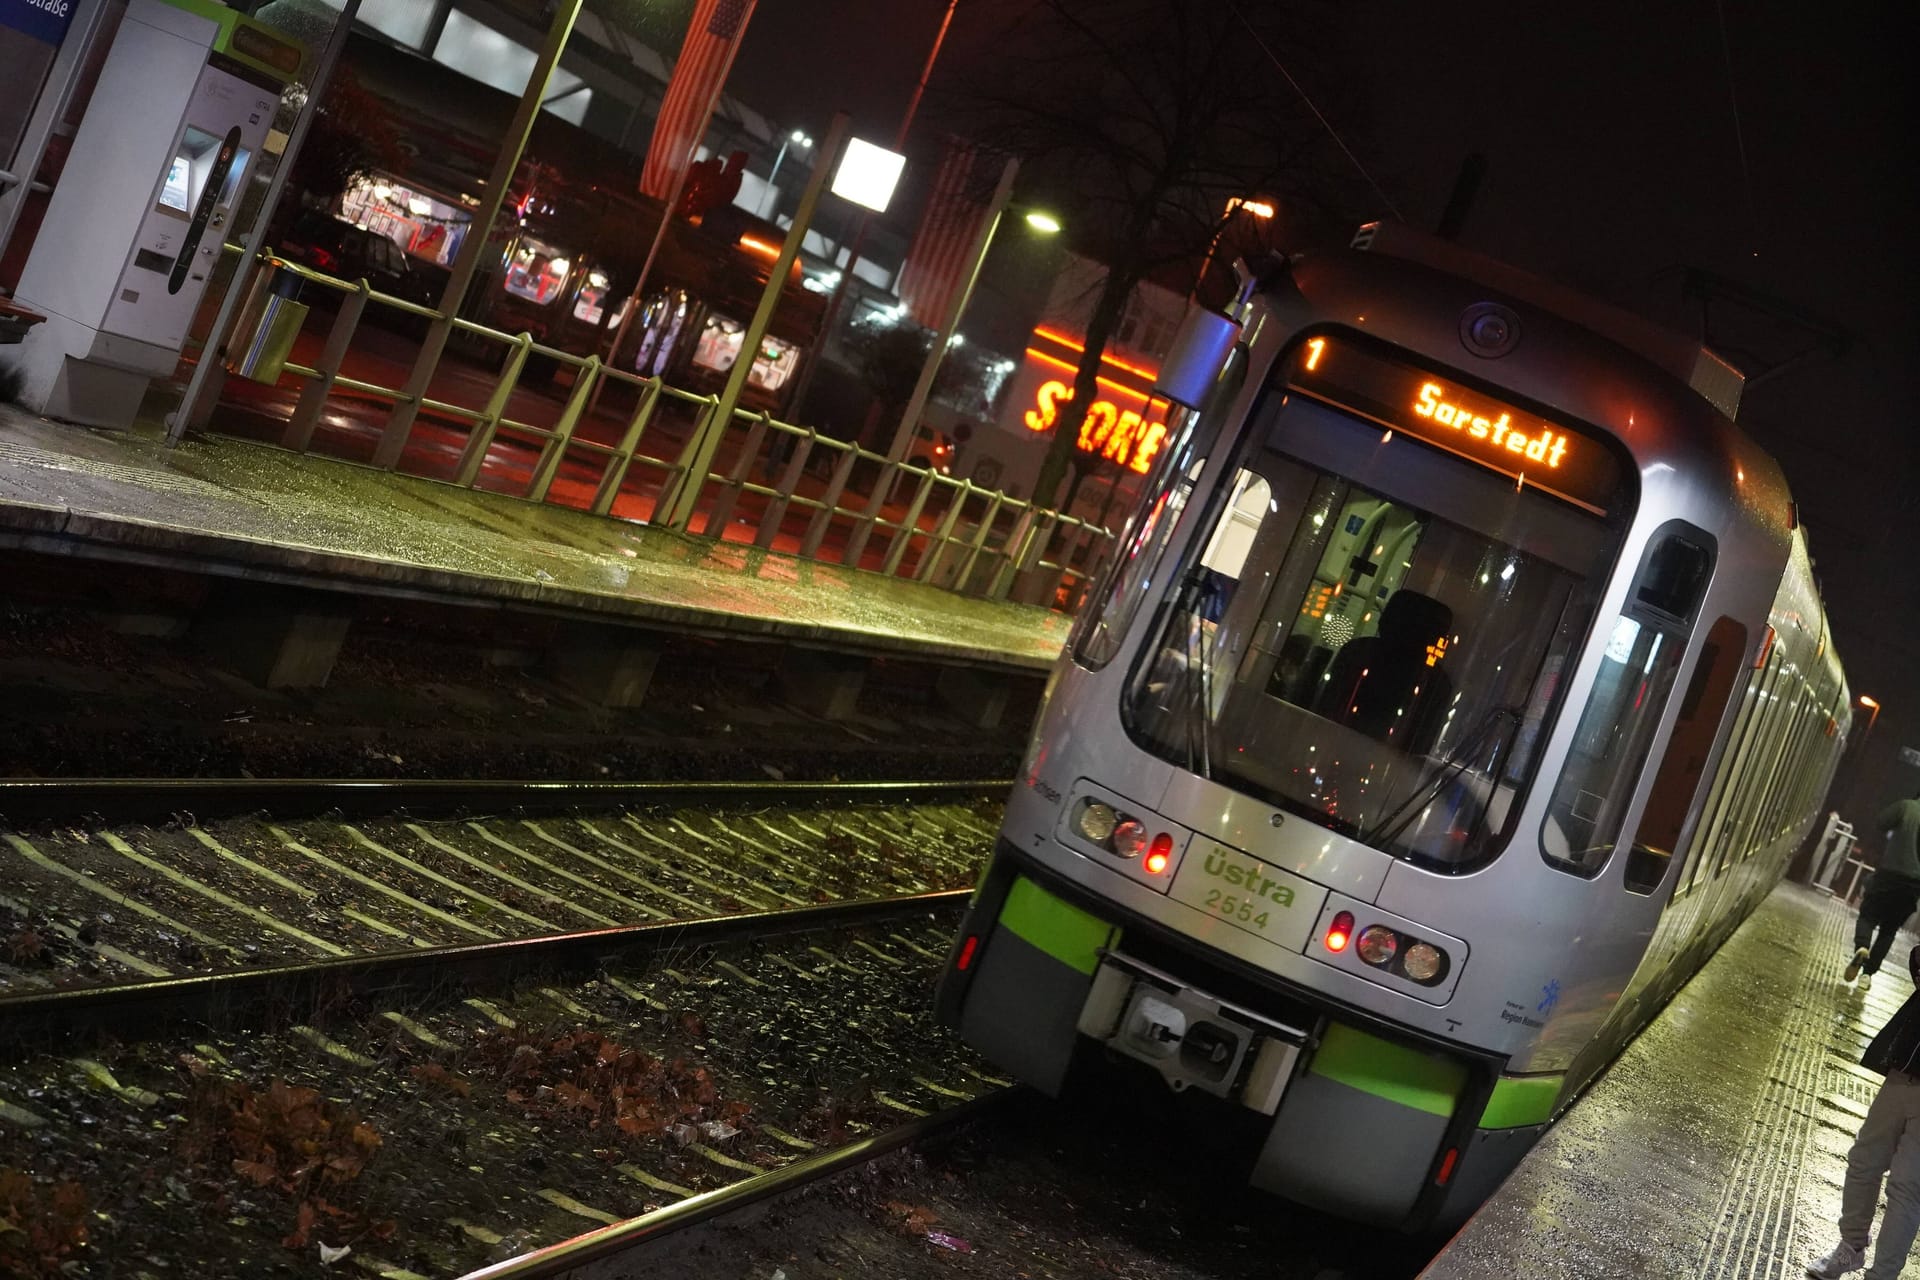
[[1038, 219], [798, 138], [1261, 209], [1872, 705]]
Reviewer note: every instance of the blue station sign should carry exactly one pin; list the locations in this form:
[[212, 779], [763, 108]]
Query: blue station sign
[[42, 19]]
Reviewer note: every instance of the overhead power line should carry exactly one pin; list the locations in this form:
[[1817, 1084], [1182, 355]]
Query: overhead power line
[[1326, 124]]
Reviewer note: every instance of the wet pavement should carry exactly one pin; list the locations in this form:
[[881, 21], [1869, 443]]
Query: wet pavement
[[1716, 1145], [244, 510]]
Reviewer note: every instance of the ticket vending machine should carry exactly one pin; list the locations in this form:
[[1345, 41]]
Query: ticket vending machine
[[185, 101]]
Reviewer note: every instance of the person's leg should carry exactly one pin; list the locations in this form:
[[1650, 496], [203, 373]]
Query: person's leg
[[1867, 1162], [1902, 1222], [1863, 926], [1889, 908], [1885, 932]]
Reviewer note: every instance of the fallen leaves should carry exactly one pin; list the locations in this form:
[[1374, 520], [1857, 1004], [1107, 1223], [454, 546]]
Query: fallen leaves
[[587, 1078], [285, 1137], [41, 1226]]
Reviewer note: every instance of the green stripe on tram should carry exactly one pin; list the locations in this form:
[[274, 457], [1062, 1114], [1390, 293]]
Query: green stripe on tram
[[1422, 1081], [1518, 1101], [1062, 930]]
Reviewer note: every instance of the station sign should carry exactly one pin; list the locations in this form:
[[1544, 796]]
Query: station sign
[[44, 20]]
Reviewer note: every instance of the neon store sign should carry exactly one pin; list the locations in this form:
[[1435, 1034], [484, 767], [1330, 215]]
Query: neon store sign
[[1123, 436]]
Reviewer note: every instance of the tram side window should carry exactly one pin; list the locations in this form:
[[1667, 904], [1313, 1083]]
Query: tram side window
[[1129, 576], [1629, 692], [1683, 767]]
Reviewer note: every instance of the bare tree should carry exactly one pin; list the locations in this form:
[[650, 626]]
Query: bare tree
[[1142, 119]]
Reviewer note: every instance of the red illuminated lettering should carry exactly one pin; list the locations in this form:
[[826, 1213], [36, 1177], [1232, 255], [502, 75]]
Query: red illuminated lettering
[[1120, 435]]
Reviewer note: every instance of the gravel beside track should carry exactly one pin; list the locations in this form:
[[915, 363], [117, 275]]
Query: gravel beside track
[[434, 1139], [84, 905]]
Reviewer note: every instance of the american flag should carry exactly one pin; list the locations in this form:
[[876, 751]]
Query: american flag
[[705, 55], [936, 263]]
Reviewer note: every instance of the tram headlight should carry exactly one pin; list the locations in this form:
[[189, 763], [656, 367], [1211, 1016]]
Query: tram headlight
[[1423, 962], [1097, 821], [1128, 839], [1376, 944]]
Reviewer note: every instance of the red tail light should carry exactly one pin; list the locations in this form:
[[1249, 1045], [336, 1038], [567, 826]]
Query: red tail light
[[1341, 932], [967, 948], [1446, 1166], [322, 259], [1159, 854]]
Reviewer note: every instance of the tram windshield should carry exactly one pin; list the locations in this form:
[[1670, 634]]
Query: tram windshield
[[1371, 634]]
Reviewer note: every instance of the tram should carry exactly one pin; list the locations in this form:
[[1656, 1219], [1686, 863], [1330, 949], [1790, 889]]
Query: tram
[[1459, 685]]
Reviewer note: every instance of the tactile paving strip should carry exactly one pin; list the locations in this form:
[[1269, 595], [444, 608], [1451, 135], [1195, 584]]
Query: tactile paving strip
[[1793, 1154]]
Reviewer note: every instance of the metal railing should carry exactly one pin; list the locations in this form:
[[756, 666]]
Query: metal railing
[[953, 534]]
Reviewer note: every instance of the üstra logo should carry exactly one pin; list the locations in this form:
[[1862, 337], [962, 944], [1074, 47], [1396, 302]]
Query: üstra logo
[[1252, 877]]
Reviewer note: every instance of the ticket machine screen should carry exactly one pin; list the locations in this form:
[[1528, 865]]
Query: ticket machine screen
[[187, 174]]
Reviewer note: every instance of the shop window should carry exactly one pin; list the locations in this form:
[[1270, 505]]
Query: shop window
[[774, 365], [1683, 767], [719, 344], [421, 225], [536, 271], [1637, 669], [719, 348], [589, 304], [662, 321]]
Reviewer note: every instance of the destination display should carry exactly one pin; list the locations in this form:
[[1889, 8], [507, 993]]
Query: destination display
[[1537, 453]]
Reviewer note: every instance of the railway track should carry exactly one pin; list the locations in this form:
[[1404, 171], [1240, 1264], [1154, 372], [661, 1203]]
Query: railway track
[[141, 882], [622, 1238], [437, 1107]]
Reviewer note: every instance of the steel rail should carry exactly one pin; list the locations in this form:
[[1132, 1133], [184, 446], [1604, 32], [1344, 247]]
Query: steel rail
[[32, 800], [620, 1237], [286, 993]]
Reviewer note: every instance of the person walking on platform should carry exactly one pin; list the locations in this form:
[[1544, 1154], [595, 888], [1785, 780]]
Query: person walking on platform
[[1887, 1147], [1892, 891]]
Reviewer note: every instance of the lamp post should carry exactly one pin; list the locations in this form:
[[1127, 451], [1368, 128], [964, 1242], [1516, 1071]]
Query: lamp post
[[1872, 705], [1260, 209], [1041, 222], [798, 138]]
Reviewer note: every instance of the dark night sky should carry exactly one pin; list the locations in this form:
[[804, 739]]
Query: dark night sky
[[1613, 155]]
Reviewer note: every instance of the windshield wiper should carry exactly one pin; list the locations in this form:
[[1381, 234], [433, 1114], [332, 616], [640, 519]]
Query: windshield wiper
[[1398, 819], [1195, 594]]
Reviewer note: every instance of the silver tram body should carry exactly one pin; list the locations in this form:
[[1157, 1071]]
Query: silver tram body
[[1394, 881]]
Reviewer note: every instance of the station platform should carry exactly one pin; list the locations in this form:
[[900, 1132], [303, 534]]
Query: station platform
[[240, 510], [1716, 1145]]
